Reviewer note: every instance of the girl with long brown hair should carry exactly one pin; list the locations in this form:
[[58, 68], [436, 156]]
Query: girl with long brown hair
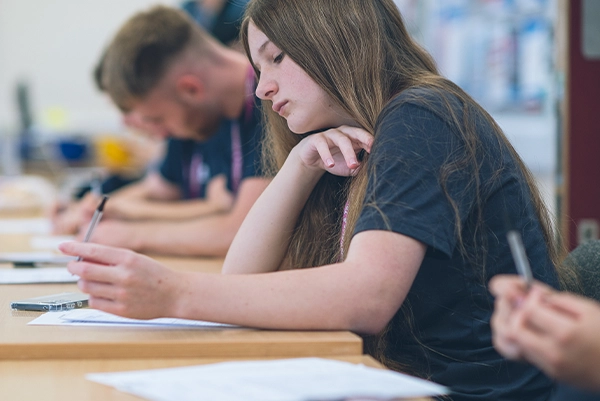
[[386, 214]]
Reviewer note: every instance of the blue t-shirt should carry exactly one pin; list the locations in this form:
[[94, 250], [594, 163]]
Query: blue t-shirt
[[449, 340], [192, 164]]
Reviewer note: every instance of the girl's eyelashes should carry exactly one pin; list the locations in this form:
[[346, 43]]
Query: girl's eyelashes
[[278, 58]]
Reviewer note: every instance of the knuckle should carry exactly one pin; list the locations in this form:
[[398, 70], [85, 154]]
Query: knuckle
[[83, 285], [84, 270], [92, 253], [129, 258], [128, 278], [564, 338], [121, 294]]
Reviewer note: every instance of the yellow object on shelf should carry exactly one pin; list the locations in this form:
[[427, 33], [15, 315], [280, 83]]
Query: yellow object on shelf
[[113, 152]]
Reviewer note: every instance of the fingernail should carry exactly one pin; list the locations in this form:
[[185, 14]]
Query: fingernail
[[330, 162]]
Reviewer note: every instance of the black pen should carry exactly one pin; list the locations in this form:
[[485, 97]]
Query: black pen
[[95, 219]]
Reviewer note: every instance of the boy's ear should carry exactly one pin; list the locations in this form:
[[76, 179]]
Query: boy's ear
[[190, 87]]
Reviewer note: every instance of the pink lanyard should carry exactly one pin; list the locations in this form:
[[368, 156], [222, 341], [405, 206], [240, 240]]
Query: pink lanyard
[[344, 223], [195, 185]]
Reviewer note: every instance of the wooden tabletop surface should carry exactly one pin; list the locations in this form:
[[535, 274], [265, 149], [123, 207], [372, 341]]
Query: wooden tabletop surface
[[52, 380], [21, 341], [50, 362]]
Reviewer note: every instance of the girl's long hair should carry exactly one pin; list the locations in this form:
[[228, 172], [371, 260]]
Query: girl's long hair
[[361, 54]]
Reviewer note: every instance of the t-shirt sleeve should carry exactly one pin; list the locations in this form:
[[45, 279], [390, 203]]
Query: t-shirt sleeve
[[404, 191], [170, 168]]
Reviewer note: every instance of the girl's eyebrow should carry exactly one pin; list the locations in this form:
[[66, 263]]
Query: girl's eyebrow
[[263, 46]]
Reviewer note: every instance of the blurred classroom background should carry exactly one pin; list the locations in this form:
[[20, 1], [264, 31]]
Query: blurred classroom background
[[502, 52], [54, 122]]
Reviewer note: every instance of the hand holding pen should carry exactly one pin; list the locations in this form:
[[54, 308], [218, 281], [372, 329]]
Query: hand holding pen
[[94, 222]]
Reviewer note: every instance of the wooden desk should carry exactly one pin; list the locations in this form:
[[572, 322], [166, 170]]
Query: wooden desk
[[49, 362], [65, 380], [20, 341], [15, 243], [22, 243]]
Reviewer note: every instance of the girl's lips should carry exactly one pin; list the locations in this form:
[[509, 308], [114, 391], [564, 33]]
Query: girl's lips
[[277, 108]]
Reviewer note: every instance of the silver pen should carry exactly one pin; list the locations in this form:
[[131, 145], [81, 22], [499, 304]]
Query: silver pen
[[515, 242], [95, 219], [96, 185]]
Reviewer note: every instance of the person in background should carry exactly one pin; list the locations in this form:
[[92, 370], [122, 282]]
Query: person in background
[[221, 18], [383, 216], [556, 331], [185, 86]]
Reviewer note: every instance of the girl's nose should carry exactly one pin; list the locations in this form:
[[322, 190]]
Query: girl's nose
[[266, 88]]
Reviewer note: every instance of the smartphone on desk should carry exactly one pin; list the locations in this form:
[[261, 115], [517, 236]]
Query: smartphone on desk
[[56, 302]]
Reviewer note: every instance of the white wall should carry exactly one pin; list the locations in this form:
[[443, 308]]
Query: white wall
[[54, 45]]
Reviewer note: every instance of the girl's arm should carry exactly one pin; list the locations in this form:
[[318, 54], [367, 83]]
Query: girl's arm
[[361, 294], [263, 238]]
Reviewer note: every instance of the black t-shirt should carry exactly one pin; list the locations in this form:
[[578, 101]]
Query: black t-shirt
[[565, 392], [449, 341], [192, 164]]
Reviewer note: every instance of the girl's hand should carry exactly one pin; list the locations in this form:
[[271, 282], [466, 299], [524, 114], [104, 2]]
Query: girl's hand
[[334, 150], [123, 282], [556, 331]]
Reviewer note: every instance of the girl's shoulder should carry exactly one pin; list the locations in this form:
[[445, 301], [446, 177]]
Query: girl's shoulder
[[434, 100], [416, 105], [433, 103]]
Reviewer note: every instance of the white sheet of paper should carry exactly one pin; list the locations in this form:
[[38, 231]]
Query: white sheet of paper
[[301, 379], [94, 317], [35, 258], [56, 318], [37, 276], [49, 242], [25, 226]]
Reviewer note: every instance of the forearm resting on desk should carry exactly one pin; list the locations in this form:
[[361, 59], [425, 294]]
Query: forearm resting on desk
[[161, 202], [160, 210], [205, 236]]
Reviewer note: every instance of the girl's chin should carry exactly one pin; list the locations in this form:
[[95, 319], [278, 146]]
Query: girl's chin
[[296, 129], [304, 130]]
